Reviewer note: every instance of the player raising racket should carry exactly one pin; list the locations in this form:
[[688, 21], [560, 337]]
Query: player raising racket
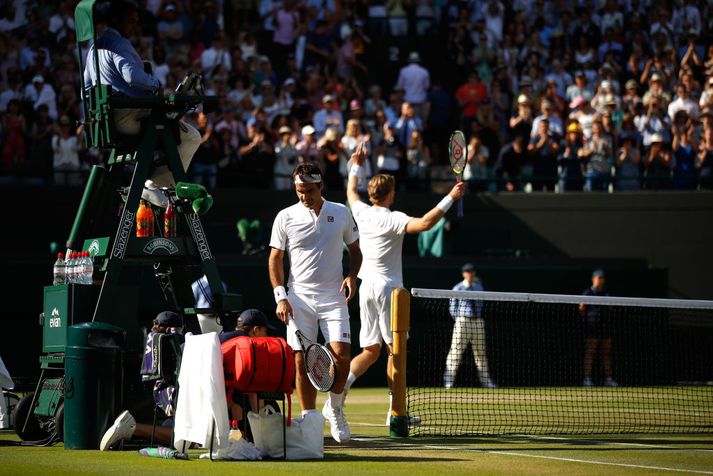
[[313, 232], [382, 234]]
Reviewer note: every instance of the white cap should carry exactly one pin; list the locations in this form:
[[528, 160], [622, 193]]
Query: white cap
[[308, 130], [38, 79]]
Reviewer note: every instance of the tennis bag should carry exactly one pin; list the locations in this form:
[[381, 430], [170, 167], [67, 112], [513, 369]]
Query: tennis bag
[[258, 364]]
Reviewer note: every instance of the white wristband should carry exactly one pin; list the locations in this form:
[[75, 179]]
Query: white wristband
[[355, 170], [445, 204], [280, 293]]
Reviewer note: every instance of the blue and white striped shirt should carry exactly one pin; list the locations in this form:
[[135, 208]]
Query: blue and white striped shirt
[[120, 66], [466, 307]]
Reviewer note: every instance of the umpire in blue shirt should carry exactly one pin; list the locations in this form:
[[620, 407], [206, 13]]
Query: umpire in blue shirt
[[469, 328], [121, 67]]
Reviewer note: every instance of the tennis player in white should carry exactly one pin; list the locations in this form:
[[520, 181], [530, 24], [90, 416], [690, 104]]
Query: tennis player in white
[[382, 234], [313, 233]]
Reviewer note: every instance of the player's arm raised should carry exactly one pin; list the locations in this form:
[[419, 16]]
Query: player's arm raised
[[277, 279], [429, 220], [357, 159]]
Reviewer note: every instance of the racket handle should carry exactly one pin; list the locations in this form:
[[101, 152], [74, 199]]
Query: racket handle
[[459, 208]]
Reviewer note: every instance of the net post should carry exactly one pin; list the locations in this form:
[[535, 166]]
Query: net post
[[400, 321]]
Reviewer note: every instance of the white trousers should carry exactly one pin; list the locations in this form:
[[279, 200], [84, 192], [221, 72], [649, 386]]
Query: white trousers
[[4, 417], [128, 121], [466, 331]]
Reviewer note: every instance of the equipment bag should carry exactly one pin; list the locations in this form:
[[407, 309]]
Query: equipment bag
[[305, 436], [258, 364]]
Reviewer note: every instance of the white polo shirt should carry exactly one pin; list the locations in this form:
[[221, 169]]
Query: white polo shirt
[[314, 245], [382, 238]]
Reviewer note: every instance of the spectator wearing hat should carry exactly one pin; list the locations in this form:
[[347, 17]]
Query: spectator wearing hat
[[630, 98], [328, 117], [598, 155], [521, 121], [571, 171], [39, 92], [468, 328], [415, 81], [307, 148], [171, 31], [628, 163], [657, 165], [286, 158], [656, 91], [597, 331]]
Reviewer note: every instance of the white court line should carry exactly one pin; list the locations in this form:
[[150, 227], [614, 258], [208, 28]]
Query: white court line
[[556, 458]]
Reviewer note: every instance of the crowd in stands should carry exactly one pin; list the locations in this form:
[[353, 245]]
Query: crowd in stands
[[552, 94]]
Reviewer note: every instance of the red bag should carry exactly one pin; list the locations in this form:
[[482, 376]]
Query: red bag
[[258, 364]]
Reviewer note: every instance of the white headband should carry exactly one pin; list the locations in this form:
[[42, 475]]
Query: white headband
[[308, 178]]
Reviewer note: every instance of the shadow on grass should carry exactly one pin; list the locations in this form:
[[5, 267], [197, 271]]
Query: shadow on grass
[[372, 458]]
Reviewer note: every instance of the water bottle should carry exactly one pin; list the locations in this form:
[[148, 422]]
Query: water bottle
[[87, 268], [69, 267], [59, 271]]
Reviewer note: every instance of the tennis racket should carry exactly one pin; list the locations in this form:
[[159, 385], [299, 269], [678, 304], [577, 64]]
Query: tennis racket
[[321, 369], [458, 154]]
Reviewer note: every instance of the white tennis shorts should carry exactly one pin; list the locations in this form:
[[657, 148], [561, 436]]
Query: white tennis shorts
[[375, 315], [313, 312]]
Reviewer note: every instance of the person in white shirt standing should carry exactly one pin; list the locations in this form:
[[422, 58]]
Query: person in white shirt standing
[[382, 235], [313, 232], [416, 81]]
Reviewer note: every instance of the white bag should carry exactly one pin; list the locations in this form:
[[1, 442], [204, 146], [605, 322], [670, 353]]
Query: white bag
[[305, 437]]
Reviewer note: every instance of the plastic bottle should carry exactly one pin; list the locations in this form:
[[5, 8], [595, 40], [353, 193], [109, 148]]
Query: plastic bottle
[[87, 268], [169, 221], [69, 263], [144, 220], [60, 271]]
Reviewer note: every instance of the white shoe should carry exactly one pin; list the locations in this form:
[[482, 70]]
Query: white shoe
[[610, 383], [337, 423], [587, 382], [489, 384], [154, 195], [122, 429], [447, 382]]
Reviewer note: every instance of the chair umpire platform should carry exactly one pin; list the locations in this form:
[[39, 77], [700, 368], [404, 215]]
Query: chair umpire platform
[[177, 260]]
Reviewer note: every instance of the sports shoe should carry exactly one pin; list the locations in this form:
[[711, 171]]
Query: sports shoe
[[154, 195], [487, 383], [412, 420], [608, 382], [447, 382], [587, 382], [337, 423], [122, 429]]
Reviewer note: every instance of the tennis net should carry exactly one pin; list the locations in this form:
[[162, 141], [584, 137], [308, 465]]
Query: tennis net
[[558, 364]]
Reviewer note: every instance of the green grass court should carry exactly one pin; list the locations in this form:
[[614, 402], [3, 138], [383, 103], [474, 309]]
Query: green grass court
[[372, 452]]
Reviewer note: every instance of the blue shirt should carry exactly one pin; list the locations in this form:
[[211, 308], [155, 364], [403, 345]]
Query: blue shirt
[[466, 307], [120, 66], [592, 312]]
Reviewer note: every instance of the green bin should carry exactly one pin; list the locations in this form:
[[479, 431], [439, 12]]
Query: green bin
[[93, 383]]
